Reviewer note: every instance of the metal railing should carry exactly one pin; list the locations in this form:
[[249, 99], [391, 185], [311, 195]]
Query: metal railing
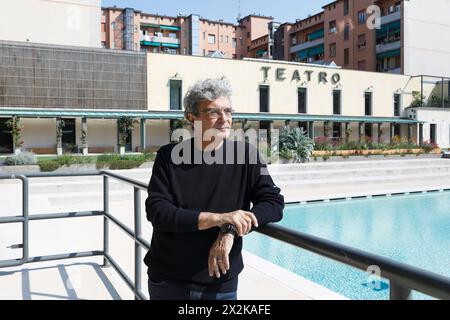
[[403, 278]]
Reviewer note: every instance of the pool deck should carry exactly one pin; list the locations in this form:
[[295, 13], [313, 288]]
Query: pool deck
[[83, 278]]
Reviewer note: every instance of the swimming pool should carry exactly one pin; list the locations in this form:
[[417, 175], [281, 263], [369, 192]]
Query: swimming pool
[[413, 229]]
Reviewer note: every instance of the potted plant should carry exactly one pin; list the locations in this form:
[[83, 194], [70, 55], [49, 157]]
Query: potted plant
[[84, 141], [16, 131], [295, 145], [59, 133]]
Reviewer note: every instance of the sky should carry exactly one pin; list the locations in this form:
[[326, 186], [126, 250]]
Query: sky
[[227, 10]]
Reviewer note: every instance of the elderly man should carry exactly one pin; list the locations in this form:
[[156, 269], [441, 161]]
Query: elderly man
[[201, 211]]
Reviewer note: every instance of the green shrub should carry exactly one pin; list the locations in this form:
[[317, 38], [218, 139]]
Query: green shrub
[[124, 164], [65, 160], [47, 166], [21, 159], [115, 157], [295, 145], [101, 165]]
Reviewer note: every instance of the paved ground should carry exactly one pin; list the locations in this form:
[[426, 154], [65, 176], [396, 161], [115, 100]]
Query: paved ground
[[85, 279]]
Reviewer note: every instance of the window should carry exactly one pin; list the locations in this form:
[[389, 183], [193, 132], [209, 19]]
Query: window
[[293, 40], [368, 129], [362, 41], [332, 50], [211, 38], [346, 7], [397, 131], [226, 39], [68, 134], [346, 32], [184, 50], [368, 103], [233, 43], [175, 94], [113, 25], [302, 96], [336, 101], [172, 35], [303, 126], [337, 130], [433, 131], [264, 98], [362, 65], [361, 16], [204, 35], [332, 26], [346, 56], [396, 105]]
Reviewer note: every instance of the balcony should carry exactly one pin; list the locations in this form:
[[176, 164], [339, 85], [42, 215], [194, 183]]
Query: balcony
[[394, 16], [394, 71], [157, 40], [385, 47], [306, 45]]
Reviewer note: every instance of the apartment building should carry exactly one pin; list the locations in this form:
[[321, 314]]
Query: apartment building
[[129, 29], [346, 32]]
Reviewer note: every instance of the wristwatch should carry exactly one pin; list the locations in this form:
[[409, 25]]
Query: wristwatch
[[229, 228]]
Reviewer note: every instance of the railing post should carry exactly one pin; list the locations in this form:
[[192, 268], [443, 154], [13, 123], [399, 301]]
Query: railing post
[[398, 292], [137, 249], [25, 212], [105, 220]]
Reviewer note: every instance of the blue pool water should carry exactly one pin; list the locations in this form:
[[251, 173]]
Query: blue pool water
[[412, 229]]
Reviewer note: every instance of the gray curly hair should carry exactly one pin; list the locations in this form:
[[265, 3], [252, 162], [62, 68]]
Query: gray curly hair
[[205, 90]]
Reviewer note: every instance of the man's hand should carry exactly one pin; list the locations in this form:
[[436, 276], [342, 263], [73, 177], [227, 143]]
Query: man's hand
[[241, 219], [218, 261]]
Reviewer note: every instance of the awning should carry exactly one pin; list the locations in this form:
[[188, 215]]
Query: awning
[[316, 50], [311, 52], [54, 113], [388, 54], [150, 43], [170, 45], [173, 28], [388, 28], [261, 52], [302, 54], [331, 118], [149, 25], [319, 34]]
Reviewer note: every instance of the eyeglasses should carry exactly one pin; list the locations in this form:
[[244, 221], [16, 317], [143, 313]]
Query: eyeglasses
[[215, 113]]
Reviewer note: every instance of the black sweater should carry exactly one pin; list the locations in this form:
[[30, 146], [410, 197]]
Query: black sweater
[[178, 193]]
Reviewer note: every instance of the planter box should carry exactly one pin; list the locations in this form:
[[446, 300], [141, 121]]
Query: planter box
[[76, 168], [19, 169], [369, 152]]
